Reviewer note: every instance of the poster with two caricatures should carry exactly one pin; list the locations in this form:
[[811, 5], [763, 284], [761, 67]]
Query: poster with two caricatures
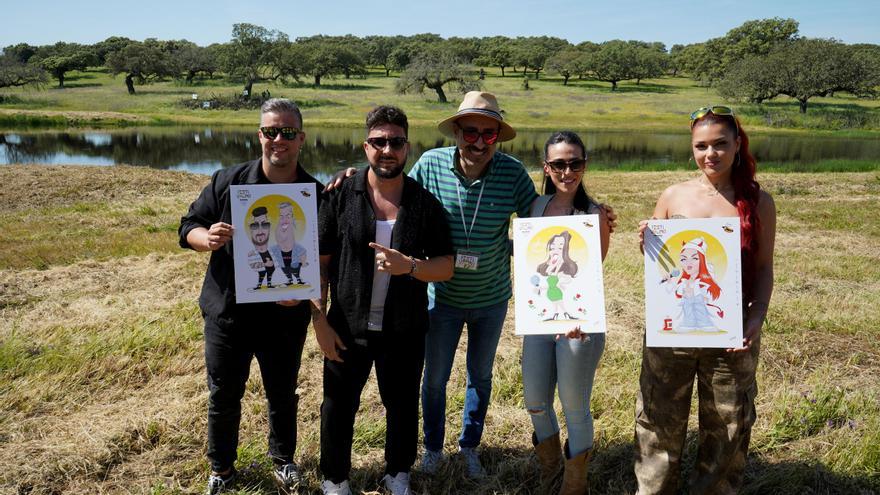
[[275, 242], [692, 279]]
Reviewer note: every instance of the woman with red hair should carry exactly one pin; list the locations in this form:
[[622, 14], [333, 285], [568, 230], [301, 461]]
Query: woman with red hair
[[726, 385], [695, 288]]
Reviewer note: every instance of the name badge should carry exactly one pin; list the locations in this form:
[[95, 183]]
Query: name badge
[[467, 260]]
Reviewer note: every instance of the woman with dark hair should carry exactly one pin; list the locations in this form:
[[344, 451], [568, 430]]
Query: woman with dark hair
[[567, 360], [726, 387], [558, 269]]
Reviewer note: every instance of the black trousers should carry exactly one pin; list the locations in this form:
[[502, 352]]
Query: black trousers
[[276, 339], [399, 362]]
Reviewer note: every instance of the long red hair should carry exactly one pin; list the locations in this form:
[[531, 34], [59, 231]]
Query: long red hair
[[704, 276], [746, 192]]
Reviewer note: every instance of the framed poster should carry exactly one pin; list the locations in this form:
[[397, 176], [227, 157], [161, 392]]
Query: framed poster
[[558, 275], [275, 242], [693, 291]]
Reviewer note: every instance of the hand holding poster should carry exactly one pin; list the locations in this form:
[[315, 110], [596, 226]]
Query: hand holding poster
[[275, 242], [558, 275], [693, 292]]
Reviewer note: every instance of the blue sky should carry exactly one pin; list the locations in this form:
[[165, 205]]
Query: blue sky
[[669, 21]]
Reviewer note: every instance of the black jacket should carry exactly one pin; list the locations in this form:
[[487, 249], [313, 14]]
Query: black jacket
[[347, 224], [217, 300]]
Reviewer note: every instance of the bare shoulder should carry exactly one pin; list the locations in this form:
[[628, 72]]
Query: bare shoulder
[[678, 189], [675, 191], [766, 205]]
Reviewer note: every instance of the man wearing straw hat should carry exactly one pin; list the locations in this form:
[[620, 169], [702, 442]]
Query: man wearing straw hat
[[479, 188]]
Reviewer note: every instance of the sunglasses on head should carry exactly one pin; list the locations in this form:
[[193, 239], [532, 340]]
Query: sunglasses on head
[[379, 143], [287, 133], [471, 136], [576, 165], [717, 110], [260, 225]]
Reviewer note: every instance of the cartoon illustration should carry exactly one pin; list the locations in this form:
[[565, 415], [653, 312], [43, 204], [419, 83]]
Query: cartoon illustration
[[260, 259], [696, 288], [558, 275], [276, 237], [693, 294], [291, 254], [558, 270]]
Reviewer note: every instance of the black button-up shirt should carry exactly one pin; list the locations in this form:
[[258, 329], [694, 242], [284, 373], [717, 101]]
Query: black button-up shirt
[[347, 224], [217, 300]]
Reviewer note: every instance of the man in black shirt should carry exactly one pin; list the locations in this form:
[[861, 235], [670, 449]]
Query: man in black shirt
[[383, 237], [274, 333], [261, 261]]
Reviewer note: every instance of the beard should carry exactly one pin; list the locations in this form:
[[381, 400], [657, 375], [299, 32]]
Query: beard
[[389, 171], [258, 242]]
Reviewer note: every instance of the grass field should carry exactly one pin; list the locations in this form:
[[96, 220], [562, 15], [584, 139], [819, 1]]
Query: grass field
[[102, 375], [95, 99]]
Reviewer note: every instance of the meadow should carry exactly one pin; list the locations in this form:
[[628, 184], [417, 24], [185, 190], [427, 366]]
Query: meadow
[[95, 99], [102, 377]]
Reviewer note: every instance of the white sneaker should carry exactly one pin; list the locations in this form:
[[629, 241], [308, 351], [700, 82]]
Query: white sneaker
[[397, 485], [330, 488], [431, 461], [473, 469]]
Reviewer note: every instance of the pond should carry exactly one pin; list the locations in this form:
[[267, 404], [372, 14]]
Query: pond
[[204, 150]]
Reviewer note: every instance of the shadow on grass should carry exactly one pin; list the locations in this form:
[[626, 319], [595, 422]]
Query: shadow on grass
[[202, 83], [823, 115], [793, 106], [622, 86], [643, 88], [611, 472], [333, 86], [515, 471], [790, 478], [72, 85]]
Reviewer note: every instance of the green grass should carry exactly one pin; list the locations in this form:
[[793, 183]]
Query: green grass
[[95, 99], [102, 372]]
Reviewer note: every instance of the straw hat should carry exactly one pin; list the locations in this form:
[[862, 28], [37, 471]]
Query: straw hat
[[478, 103]]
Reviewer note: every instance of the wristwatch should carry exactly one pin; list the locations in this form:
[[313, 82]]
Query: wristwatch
[[412, 269]]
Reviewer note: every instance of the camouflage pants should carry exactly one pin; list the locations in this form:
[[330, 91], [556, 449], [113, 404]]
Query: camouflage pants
[[726, 391]]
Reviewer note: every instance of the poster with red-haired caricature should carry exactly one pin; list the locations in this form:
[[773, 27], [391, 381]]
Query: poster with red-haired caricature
[[275, 242], [558, 283], [693, 283]]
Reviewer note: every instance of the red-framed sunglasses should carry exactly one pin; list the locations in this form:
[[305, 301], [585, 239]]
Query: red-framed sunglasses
[[471, 136]]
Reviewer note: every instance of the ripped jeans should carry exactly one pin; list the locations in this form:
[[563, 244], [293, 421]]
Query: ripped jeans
[[570, 363]]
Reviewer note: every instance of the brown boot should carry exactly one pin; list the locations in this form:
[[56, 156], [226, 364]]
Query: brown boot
[[574, 479], [549, 454]]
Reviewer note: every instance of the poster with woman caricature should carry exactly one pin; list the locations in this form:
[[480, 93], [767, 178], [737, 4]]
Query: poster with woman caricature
[[275, 242], [693, 291], [558, 283]]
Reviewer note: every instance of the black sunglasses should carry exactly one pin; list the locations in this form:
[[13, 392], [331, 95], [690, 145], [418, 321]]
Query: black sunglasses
[[287, 133], [379, 143], [258, 225], [576, 165]]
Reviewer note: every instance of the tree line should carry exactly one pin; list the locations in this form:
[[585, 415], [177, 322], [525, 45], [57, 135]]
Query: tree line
[[755, 62]]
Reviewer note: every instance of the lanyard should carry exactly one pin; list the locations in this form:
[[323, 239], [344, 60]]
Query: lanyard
[[467, 231]]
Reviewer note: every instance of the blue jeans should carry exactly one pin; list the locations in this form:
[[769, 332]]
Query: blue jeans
[[484, 330], [570, 363]]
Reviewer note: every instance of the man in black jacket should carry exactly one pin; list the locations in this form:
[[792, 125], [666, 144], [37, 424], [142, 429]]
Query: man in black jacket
[[274, 333], [383, 237]]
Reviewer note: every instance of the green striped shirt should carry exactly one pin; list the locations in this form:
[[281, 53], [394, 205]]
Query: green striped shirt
[[507, 189]]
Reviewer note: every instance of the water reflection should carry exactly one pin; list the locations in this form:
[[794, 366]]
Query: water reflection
[[330, 149]]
